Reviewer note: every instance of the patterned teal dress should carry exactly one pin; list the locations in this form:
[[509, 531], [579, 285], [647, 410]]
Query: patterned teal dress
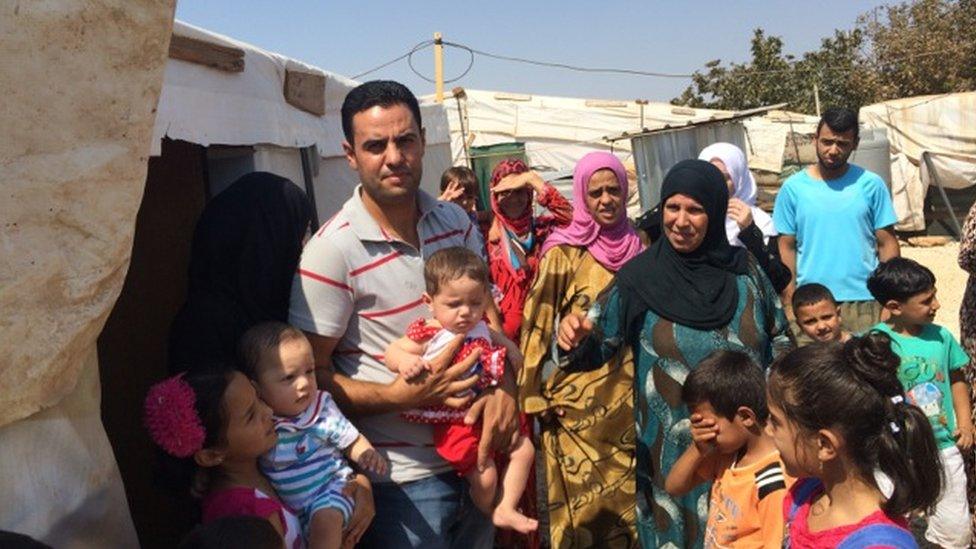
[[664, 354]]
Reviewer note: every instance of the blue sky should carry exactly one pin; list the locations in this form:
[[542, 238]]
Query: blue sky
[[676, 37]]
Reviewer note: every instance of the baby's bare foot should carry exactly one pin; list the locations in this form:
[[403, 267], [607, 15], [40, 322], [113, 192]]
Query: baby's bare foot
[[511, 519]]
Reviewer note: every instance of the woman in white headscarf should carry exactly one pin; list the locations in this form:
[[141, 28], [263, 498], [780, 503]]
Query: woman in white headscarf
[[746, 225]]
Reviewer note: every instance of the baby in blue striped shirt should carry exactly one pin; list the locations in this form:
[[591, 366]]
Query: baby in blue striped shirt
[[307, 466]]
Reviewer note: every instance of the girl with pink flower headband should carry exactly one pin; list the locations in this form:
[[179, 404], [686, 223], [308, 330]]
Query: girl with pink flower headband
[[211, 428]]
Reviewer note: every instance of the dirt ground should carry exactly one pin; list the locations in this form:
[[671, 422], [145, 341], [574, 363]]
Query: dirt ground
[[950, 279]]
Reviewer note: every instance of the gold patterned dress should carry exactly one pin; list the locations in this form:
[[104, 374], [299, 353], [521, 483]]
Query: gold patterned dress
[[587, 418]]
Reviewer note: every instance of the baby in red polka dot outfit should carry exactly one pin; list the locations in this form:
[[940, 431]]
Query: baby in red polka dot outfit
[[457, 294]]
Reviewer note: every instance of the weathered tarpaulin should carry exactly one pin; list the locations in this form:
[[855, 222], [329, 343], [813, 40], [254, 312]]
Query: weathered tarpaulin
[[941, 126], [80, 81]]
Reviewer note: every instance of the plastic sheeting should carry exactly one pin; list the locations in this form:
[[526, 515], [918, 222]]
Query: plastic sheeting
[[558, 131], [60, 483], [767, 137], [80, 82], [944, 126]]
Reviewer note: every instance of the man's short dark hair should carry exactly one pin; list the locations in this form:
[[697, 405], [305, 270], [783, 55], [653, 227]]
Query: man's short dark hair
[[900, 278], [384, 93], [727, 380], [811, 294], [839, 120]]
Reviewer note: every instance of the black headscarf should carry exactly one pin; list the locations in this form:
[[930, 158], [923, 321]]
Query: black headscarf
[[245, 251], [695, 289]]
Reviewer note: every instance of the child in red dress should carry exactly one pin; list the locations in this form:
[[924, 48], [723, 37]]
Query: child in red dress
[[457, 294]]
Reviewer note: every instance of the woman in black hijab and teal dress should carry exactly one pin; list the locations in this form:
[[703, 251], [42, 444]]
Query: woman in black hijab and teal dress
[[245, 251], [686, 296]]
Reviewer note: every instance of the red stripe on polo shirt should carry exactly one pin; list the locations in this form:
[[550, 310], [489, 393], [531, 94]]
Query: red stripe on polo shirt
[[435, 238], [388, 312], [326, 224], [344, 225], [377, 263], [326, 280]]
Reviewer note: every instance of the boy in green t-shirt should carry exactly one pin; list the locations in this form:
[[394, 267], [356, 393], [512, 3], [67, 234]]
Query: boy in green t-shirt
[[931, 372]]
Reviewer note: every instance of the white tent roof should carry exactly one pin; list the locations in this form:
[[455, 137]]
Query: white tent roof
[[557, 131], [207, 106], [941, 127]]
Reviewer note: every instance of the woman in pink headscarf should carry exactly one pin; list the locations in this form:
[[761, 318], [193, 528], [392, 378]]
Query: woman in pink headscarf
[[587, 417]]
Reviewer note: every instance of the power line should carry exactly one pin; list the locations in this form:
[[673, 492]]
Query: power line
[[569, 67], [448, 81], [682, 75], [631, 72], [415, 49]]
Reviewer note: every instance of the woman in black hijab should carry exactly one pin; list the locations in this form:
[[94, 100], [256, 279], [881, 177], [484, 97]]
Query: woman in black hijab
[[245, 251], [688, 295]]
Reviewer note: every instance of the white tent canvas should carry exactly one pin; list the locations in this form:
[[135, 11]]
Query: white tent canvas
[[941, 127], [558, 131], [210, 107]]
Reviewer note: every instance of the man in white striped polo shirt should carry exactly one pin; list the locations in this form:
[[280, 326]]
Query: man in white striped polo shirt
[[358, 286]]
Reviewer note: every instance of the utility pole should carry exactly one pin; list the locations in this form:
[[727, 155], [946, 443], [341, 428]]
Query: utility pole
[[816, 97], [641, 103], [438, 68]]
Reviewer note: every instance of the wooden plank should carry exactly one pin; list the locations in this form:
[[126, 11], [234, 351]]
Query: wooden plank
[[305, 91], [216, 56]]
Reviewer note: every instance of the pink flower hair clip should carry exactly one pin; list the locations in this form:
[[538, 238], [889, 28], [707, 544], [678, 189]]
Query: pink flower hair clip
[[171, 418]]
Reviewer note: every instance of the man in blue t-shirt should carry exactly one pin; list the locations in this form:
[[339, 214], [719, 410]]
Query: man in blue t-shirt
[[836, 222]]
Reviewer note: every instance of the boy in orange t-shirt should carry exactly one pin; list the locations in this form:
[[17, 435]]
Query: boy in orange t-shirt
[[726, 395]]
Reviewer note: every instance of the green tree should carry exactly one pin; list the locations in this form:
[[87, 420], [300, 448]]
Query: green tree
[[912, 48], [843, 75], [923, 47], [767, 79]]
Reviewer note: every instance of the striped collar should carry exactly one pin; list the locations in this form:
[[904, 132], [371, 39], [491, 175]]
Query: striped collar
[[305, 419], [367, 228]]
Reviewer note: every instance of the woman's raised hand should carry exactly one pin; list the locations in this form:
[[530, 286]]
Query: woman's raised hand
[[572, 329], [740, 212], [515, 181], [510, 182]]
